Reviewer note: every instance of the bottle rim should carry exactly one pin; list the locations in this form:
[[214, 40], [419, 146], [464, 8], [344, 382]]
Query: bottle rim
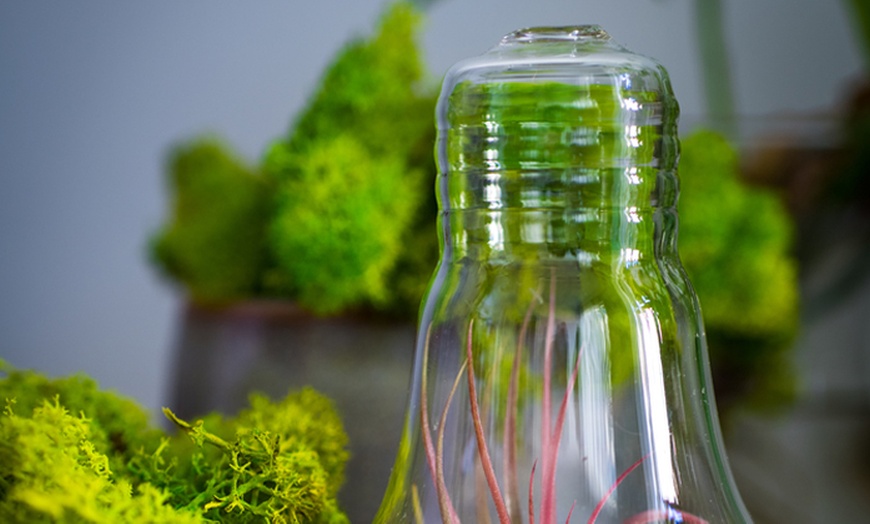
[[560, 34]]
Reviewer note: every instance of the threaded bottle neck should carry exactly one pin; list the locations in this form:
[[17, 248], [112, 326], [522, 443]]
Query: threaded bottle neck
[[564, 164]]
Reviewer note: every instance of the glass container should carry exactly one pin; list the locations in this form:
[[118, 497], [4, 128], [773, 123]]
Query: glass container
[[561, 372]]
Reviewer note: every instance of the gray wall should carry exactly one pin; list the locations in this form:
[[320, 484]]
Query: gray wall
[[93, 92]]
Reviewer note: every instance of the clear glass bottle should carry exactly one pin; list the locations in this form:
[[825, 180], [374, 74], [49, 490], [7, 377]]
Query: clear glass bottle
[[561, 372]]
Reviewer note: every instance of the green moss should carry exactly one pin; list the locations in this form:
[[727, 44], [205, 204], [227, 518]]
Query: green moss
[[305, 419], [71, 453], [118, 426], [373, 90], [214, 241], [735, 243], [351, 180], [53, 472], [339, 222], [344, 216], [288, 473]]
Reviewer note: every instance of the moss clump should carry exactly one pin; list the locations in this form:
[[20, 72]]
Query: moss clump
[[373, 91], [71, 454], [348, 186], [54, 472], [117, 426], [214, 240], [735, 244], [339, 221], [274, 462], [342, 215]]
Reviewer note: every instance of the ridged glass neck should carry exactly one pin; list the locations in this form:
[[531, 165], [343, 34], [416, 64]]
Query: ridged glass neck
[[539, 153]]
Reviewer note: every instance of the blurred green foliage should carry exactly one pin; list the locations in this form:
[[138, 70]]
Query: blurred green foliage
[[735, 243], [214, 240], [348, 219], [55, 473], [117, 425], [372, 91], [74, 454], [861, 20], [337, 230], [349, 188]]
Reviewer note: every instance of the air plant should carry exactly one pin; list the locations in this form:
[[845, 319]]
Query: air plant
[[506, 502]]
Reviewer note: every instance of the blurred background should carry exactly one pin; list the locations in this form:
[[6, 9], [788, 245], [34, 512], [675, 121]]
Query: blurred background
[[94, 95]]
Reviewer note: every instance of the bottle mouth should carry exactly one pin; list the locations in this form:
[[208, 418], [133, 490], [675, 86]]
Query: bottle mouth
[[563, 34]]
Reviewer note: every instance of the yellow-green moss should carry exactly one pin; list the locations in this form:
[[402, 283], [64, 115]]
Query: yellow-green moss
[[73, 454]]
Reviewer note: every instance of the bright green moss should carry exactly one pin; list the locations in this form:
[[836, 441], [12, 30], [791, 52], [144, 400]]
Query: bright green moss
[[118, 426], [53, 472], [275, 475], [373, 91], [303, 419], [339, 222], [275, 462], [734, 242], [350, 180], [214, 241], [343, 216]]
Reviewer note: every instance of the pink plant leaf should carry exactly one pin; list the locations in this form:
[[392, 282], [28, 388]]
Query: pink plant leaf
[[549, 483], [512, 490], [480, 488], [424, 415], [571, 512], [532, 493], [548, 496], [616, 484], [560, 418], [448, 513], [439, 449], [483, 450]]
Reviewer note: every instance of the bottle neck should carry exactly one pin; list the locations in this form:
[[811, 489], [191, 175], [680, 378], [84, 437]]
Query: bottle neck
[[552, 170], [597, 234]]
